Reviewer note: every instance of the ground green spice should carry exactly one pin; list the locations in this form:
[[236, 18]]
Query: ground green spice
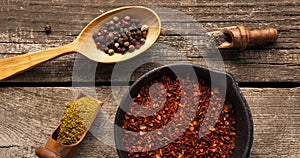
[[77, 118]]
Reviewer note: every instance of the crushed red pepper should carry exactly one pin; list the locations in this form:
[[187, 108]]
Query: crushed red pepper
[[210, 132]]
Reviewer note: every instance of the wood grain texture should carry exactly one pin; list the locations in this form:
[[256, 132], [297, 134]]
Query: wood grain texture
[[22, 24], [28, 116]]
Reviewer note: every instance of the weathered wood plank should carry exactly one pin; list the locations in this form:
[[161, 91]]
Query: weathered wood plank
[[22, 24], [28, 116], [249, 66]]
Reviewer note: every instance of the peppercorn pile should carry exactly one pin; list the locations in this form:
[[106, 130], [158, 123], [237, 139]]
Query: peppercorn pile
[[174, 101], [121, 35], [75, 121]]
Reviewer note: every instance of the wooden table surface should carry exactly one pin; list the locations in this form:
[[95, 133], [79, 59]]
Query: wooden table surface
[[32, 103]]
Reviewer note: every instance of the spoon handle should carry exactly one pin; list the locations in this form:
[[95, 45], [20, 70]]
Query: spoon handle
[[18, 64]]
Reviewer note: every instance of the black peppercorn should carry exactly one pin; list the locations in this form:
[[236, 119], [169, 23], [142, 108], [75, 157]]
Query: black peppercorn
[[110, 36], [133, 40], [112, 42], [48, 29], [131, 48], [116, 18], [111, 22], [123, 50], [102, 47], [139, 33], [134, 29], [130, 28], [106, 24], [139, 26], [116, 34], [126, 29], [100, 39], [125, 38], [106, 49], [116, 39], [133, 33], [121, 41], [117, 26], [137, 21], [111, 28], [128, 33], [137, 37], [95, 36]]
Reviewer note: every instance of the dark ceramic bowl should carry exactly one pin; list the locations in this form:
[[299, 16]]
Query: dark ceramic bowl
[[223, 80]]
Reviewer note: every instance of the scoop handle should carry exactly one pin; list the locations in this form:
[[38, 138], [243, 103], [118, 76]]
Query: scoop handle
[[18, 64], [42, 152]]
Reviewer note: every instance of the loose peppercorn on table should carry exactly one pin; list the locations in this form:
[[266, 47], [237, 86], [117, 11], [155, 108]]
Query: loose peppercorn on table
[[32, 103]]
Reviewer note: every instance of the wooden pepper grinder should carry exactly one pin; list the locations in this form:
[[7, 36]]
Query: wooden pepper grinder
[[240, 37]]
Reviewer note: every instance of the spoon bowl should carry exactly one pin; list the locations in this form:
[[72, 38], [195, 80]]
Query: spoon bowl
[[88, 47], [84, 43]]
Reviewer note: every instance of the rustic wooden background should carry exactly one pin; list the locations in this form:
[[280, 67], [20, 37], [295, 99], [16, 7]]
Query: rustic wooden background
[[32, 103]]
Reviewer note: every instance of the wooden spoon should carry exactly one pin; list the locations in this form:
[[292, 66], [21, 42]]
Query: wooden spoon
[[55, 149], [84, 43]]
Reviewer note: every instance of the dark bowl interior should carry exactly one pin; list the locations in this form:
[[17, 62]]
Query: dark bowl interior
[[223, 80]]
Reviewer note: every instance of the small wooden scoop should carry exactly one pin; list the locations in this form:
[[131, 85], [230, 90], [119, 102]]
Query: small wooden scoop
[[55, 149]]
